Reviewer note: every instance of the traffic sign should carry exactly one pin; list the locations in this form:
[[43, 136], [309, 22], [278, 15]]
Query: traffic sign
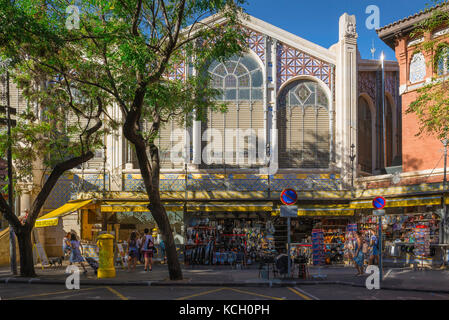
[[379, 203], [289, 197], [289, 211]]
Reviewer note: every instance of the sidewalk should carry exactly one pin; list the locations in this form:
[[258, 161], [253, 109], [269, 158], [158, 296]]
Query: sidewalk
[[394, 279]]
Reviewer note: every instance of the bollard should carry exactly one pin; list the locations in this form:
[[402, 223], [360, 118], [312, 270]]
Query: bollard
[[106, 267]]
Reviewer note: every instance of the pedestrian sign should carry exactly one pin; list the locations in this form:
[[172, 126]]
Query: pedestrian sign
[[289, 197], [379, 203]]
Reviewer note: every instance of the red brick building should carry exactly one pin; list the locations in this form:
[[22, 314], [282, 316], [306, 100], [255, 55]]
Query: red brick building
[[422, 156]]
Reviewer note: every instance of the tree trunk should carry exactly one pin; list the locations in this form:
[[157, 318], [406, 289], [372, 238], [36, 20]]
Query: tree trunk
[[26, 253], [160, 215]]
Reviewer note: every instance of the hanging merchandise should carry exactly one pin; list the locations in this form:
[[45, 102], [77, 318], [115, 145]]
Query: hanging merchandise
[[318, 247], [422, 241]]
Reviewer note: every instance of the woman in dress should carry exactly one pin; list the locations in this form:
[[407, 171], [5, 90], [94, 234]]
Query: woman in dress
[[147, 249], [132, 251], [358, 254], [75, 255]]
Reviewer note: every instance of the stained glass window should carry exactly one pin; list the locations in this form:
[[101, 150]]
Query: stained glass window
[[303, 124], [240, 78]]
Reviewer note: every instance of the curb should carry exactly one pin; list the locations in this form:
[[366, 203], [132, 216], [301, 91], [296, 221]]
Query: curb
[[159, 283]]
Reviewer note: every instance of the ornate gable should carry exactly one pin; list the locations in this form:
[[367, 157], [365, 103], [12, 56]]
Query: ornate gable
[[293, 62]]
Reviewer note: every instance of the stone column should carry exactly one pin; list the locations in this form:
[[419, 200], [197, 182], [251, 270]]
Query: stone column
[[346, 96], [114, 151]]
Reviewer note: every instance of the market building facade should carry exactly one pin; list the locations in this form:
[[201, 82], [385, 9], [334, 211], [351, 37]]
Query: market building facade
[[317, 115]]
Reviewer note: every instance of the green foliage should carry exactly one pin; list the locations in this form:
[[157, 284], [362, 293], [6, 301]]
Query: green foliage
[[118, 49]]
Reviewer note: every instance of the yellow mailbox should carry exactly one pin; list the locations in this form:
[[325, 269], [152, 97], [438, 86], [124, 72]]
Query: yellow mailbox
[[106, 256]]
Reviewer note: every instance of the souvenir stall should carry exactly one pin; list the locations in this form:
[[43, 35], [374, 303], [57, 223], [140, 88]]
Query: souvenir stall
[[226, 238], [403, 235], [333, 230]]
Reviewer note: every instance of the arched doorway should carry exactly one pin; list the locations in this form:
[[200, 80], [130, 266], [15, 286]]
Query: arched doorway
[[365, 135]]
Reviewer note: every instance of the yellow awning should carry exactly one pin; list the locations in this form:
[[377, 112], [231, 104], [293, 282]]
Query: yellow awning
[[399, 202], [321, 210], [51, 219], [137, 206], [227, 207]]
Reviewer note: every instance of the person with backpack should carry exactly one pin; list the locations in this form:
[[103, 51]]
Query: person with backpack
[[148, 249], [374, 253]]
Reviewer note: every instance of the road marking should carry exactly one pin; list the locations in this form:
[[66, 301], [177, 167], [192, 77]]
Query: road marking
[[388, 273], [51, 293], [121, 296], [200, 294], [307, 293], [302, 294], [255, 294]]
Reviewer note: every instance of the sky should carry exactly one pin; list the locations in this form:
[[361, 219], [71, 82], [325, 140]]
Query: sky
[[317, 20]]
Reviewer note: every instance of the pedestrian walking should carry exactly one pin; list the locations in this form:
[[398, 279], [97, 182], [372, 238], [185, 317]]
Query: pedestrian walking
[[75, 255], [66, 248], [148, 249], [133, 251], [139, 248], [374, 252], [162, 247], [358, 254]]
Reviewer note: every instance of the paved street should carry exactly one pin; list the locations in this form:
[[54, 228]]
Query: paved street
[[307, 292]]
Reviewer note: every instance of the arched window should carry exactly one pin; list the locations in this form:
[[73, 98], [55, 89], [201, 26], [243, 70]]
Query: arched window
[[303, 125], [417, 68], [364, 135], [240, 80], [443, 60]]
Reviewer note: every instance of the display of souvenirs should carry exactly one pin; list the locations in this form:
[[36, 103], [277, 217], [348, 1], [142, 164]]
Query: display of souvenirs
[[318, 247], [226, 241], [422, 241]]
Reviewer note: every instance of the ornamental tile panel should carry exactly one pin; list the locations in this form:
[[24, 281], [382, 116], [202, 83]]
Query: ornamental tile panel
[[367, 84], [293, 62], [256, 43]]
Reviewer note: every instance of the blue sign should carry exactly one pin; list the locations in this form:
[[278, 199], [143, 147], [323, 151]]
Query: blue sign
[[289, 197], [379, 202]]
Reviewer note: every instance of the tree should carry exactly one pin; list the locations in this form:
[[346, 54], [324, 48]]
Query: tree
[[61, 134], [432, 103], [132, 46]]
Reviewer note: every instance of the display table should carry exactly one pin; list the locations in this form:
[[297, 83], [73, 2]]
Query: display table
[[402, 253]]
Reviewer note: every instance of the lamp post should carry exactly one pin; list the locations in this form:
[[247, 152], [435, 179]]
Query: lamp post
[[384, 128], [268, 153], [443, 214], [105, 216], [352, 158]]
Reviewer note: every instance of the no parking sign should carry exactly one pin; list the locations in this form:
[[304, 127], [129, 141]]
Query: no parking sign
[[289, 197], [379, 203]]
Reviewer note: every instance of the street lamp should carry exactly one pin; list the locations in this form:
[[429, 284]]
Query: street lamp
[[443, 213], [384, 128], [268, 154], [352, 158]]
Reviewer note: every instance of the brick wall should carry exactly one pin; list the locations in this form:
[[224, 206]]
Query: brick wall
[[422, 152]]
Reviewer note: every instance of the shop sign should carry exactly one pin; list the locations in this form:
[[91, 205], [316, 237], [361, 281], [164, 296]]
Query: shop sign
[[289, 197], [379, 203], [289, 211]]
